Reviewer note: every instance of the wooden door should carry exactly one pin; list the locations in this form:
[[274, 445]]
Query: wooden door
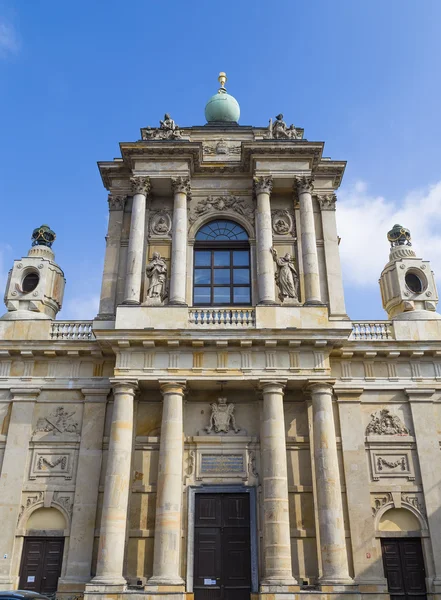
[[222, 552], [404, 568], [41, 564]]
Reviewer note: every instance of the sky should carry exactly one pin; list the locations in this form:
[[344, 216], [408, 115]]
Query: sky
[[76, 78]]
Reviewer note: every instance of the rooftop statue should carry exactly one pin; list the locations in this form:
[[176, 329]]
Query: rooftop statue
[[279, 130], [167, 130]]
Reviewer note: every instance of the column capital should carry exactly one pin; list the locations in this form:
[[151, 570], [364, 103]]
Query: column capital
[[25, 394], [181, 185], [263, 184], [326, 201], [95, 394], [173, 387], [319, 387], [116, 202], [303, 184], [274, 386], [140, 185], [420, 395], [125, 387]]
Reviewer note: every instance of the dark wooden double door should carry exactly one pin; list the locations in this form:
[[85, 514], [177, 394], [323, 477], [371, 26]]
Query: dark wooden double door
[[222, 552], [41, 564], [404, 568]]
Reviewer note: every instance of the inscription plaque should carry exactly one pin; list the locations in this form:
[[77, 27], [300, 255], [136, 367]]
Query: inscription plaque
[[221, 463]]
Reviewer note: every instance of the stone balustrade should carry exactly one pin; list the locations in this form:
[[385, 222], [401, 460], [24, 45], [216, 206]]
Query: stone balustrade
[[72, 330], [372, 330], [222, 317]]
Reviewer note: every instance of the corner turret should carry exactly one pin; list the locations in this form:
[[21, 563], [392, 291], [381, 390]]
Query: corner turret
[[35, 284], [407, 283]]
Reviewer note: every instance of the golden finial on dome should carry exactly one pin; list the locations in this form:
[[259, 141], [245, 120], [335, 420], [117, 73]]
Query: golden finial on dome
[[222, 80]]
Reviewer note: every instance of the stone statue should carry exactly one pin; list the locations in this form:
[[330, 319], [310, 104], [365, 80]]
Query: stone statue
[[280, 226], [161, 226], [167, 130], [157, 272], [286, 277], [279, 130], [222, 417]]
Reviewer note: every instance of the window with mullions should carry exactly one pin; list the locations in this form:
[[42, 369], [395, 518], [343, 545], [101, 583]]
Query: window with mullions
[[221, 275]]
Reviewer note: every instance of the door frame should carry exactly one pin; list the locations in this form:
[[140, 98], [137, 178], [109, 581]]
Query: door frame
[[222, 489]]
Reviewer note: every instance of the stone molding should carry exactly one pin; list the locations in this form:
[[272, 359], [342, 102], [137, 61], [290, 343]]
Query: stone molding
[[303, 184], [263, 184], [140, 185], [181, 185], [116, 202]]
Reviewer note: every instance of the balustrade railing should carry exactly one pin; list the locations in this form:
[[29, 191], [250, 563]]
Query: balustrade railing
[[372, 330], [222, 317], [72, 330]]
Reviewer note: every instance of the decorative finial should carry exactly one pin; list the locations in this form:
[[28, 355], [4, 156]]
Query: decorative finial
[[43, 236], [222, 80], [399, 236]]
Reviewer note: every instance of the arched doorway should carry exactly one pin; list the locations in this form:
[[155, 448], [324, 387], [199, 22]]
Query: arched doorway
[[42, 554], [402, 554]]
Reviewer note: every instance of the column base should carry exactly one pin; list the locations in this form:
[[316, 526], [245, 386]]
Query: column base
[[268, 303], [104, 584], [131, 303], [313, 302], [177, 303], [160, 581], [274, 585]]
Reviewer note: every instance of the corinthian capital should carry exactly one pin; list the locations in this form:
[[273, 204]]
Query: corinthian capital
[[116, 202], [140, 185], [304, 184], [263, 184], [327, 201], [181, 185]]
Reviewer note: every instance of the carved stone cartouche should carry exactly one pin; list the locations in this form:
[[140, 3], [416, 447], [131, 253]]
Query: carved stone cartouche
[[384, 423], [222, 417]]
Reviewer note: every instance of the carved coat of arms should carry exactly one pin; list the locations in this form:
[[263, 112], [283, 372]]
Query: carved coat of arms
[[222, 417]]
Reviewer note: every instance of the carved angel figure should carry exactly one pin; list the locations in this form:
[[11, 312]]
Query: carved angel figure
[[222, 417], [286, 277], [156, 272]]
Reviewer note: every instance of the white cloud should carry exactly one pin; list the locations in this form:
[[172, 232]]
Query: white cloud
[[363, 221], [81, 308], [9, 42]]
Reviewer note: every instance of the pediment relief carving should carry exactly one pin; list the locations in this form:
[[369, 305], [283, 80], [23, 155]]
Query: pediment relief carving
[[229, 204]]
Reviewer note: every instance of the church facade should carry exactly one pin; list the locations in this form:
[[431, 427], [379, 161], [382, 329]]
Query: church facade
[[221, 429]]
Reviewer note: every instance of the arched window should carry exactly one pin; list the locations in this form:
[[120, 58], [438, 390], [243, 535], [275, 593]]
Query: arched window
[[221, 274]]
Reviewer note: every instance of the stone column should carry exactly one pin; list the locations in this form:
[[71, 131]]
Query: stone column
[[276, 529], [366, 548], [111, 259], [79, 556], [178, 279], [112, 542], [334, 277], [304, 186], [329, 502], [135, 255], [12, 476], [167, 544], [264, 240], [427, 441]]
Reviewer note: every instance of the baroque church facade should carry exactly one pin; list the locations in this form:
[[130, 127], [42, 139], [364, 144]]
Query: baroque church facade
[[221, 429]]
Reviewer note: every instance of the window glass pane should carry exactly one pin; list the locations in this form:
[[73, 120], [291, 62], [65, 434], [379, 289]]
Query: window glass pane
[[241, 258], [202, 295], [221, 258], [222, 276], [241, 276], [241, 295], [222, 230], [203, 276], [202, 258], [222, 295]]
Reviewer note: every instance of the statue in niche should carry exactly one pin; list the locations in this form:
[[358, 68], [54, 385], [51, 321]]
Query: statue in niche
[[286, 277], [161, 226], [156, 272], [279, 130], [222, 417]]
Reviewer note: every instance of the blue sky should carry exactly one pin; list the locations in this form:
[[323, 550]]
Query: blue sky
[[78, 77]]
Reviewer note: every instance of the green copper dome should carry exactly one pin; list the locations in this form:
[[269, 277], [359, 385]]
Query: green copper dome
[[222, 107]]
